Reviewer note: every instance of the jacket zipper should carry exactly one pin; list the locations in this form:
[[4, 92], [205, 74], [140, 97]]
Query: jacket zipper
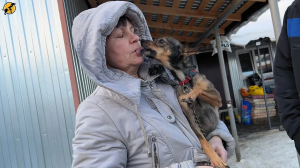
[[161, 135], [154, 151], [156, 165]]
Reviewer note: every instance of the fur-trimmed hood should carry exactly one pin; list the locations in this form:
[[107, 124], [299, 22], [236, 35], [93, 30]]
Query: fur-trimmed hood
[[89, 32]]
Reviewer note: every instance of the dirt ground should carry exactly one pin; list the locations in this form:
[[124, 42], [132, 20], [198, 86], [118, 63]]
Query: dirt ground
[[267, 149]]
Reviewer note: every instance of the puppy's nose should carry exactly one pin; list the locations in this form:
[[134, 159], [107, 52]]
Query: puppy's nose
[[142, 41]]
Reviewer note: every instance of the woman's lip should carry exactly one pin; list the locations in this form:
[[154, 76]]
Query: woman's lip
[[138, 51]]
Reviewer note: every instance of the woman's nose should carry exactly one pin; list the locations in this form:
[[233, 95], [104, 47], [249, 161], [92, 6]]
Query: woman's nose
[[134, 38]]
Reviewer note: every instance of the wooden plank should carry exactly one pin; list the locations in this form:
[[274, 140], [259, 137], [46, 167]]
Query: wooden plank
[[179, 27], [186, 33], [162, 3], [184, 12], [170, 19], [203, 5], [179, 38], [175, 4], [175, 32], [160, 17], [189, 4], [203, 23], [181, 20], [217, 5], [149, 2], [245, 7], [227, 23], [149, 17], [192, 21], [149, 14]]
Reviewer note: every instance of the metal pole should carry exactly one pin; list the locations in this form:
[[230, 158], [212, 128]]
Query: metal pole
[[227, 95], [263, 83], [275, 18]]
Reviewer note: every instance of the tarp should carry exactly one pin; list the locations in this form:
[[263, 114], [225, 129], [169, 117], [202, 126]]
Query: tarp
[[258, 26]]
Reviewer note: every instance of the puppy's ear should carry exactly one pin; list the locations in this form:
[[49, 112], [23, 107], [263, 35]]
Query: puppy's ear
[[187, 51]]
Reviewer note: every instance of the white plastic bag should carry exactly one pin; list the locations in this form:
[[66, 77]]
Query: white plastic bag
[[225, 45]]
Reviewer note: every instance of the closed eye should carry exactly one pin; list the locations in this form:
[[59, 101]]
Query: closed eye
[[120, 36]]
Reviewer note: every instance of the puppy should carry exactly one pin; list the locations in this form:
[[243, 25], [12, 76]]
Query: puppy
[[197, 96]]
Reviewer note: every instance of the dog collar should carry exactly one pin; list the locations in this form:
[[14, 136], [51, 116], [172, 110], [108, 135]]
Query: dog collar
[[192, 73]]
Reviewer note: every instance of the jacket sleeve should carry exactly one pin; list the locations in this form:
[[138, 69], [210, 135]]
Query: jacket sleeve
[[97, 142], [223, 132], [286, 93]]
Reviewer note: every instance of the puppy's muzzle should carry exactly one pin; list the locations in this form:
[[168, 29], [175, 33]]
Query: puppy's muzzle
[[147, 51]]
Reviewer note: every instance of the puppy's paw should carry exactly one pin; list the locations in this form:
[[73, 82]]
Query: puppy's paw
[[156, 69]]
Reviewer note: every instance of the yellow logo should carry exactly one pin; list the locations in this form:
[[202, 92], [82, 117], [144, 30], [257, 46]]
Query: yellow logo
[[9, 8]]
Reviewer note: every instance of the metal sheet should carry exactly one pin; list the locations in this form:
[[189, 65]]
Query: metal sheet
[[37, 115], [237, 83], [85, 85]]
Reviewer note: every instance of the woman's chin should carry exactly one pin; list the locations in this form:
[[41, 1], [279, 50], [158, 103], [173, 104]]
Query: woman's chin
[[139, 60]]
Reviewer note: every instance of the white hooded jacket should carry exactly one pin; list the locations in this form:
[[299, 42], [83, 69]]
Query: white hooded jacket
[[129, 122]]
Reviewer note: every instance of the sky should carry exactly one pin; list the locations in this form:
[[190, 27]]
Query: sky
[[263, 27]]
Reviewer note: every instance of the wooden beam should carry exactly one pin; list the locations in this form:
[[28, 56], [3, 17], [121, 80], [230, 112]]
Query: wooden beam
[[203, 23], [227, 23], [160, 17], [175, 32], [184, 12], [245, 7], [149, 2], [217, 5], [175, 4], [181, 20], [162, 2], [186, 33], [170, 19], [149, 17], [189, 4], [192, 21], [203, 5], [179, 38], [179, 27]]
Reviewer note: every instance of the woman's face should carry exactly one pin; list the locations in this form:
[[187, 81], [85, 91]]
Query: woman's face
[[123, 49]]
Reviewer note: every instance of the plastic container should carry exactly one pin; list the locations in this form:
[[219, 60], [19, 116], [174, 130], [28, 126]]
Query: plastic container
[[246, 112]]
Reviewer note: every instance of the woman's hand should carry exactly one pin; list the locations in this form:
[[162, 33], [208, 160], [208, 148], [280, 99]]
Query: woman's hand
[[217, 145]]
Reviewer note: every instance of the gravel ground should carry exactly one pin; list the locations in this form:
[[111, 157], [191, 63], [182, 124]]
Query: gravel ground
[[267, 149]]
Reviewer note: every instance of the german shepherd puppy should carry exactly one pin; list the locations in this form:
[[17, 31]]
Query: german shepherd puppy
[[197, 96]]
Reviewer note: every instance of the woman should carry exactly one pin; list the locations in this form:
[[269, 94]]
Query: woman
[[131, 119]]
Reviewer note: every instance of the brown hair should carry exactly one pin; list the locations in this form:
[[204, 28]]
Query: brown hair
[[123, 21]]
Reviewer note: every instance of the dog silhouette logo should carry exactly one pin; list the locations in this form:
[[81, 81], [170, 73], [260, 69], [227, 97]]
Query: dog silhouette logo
[[9, 8]]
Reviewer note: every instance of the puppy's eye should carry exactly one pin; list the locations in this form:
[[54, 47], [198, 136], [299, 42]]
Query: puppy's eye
[[161, 41]]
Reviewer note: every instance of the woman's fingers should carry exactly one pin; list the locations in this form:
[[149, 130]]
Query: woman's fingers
[[217, 145], [222, 153]]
